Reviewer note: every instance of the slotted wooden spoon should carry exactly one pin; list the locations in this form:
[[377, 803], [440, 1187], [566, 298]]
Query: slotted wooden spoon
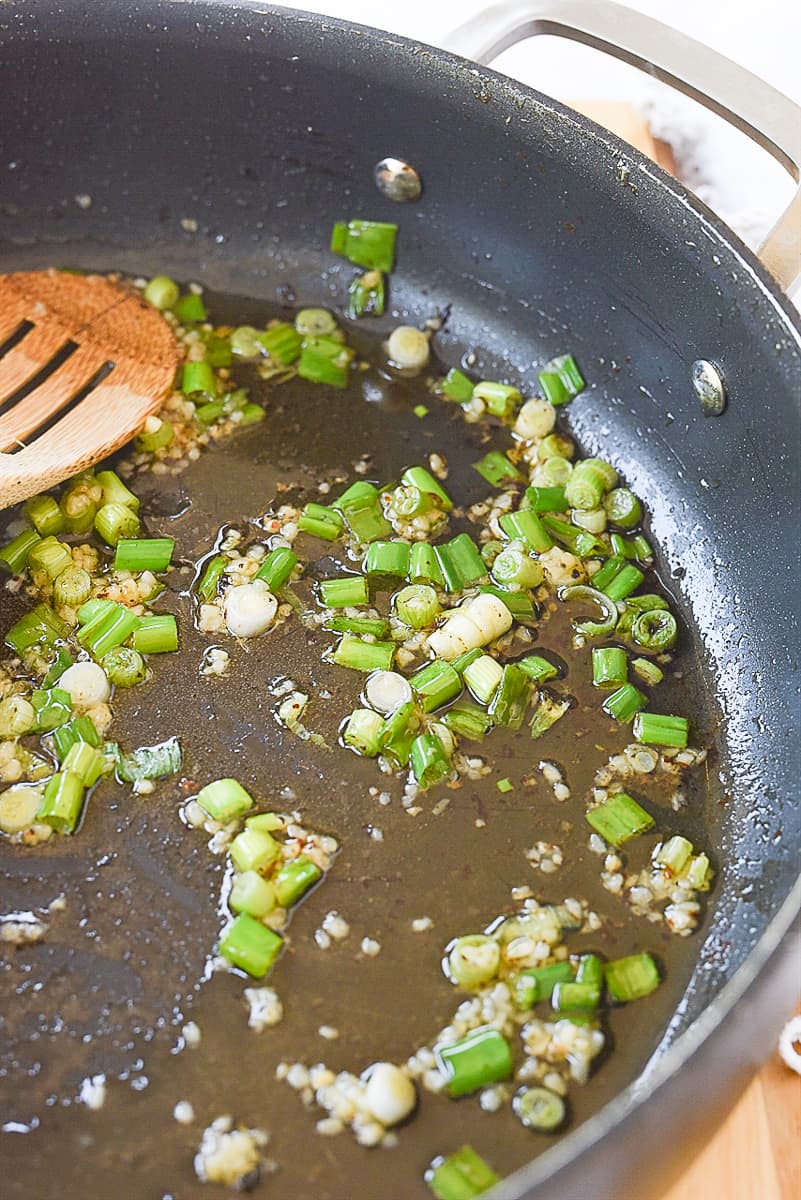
[[83, 363]]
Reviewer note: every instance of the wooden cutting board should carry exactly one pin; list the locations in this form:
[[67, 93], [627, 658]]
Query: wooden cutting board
[[756, 1153]]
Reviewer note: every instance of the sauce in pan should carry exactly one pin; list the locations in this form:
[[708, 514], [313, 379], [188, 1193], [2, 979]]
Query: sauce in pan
[[126, 1034]]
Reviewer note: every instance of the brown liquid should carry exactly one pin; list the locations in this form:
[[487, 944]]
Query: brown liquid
[[120, 970]]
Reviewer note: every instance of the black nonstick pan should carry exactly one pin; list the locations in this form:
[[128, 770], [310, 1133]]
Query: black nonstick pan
[[218, 142]]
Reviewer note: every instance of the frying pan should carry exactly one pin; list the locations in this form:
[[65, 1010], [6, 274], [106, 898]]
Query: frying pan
[[218, 141]]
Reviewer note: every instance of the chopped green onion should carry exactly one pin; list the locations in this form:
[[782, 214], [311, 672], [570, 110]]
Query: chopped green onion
[[468, 721], [461, 1176], [376, 627], [52, 707], [460, 562], [609, 613], [623, 703], [545, 499], [155, 438], [82, 497], [325, 361], [360, 505], [520, 604], [45, 515], [386, 560], [153, 762], [114, 490], [40, 626], [347, 592], [143, 554], [609, 666], [673, 855], [429, 761], [282, 342], [115, 521], [561, 380], [496, 468], [161, 292], [249, 945], [15, 553], [483, 677], [315, 322], [224, 799], [481, 1058], [419, 477], [198, 377], [424, 565], [155, 634], [47, 559], [362, 732], [546, 714], [17, 717], [72, 588], [567, 997], [538, 669], [585, 488], [277, 567], [253, 849], [84, 761], [456, 386], [189, 309], [472, 960], [526, 525], [505, 785], [209, 413], [436, 684], [647, 670], [537, 983], [539, 1108], [366, 295], [58, 665], [463, 661], [79, 729], [252, 894], [617, 579], [124, 666], [417, 605], [631, 978], [619, 819], [658, 729], [294, 879], [322, 522], [369, 244], [623, 508], [499, 399], [93, 608], [107, 628], [510, 701], [514, 567], [655, 630], [398, 733], [360, 655], [62, 802]]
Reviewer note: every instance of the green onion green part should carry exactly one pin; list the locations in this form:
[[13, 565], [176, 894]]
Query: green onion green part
[[368, 244], [481, 1058], [619, 819], [657, 729], [249, 945], [631, 978]]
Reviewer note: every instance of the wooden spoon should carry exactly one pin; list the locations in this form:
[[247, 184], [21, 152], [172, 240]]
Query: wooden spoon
[[83, 363]]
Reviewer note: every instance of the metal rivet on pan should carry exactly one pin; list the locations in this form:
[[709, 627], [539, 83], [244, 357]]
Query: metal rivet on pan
[[709, 387], [397, 180]]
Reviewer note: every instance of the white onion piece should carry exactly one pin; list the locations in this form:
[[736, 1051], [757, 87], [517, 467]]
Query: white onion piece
[[408, 347], [249, 609], [390, 1096], [386, 691], [87, 684]]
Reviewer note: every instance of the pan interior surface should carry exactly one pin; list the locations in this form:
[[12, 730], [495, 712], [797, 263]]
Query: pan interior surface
[[536, 234]]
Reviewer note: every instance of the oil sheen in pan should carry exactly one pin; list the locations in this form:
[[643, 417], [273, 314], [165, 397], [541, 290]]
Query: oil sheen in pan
[[120, 970]]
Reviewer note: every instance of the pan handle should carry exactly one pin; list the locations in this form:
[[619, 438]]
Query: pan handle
[[770, 119]]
